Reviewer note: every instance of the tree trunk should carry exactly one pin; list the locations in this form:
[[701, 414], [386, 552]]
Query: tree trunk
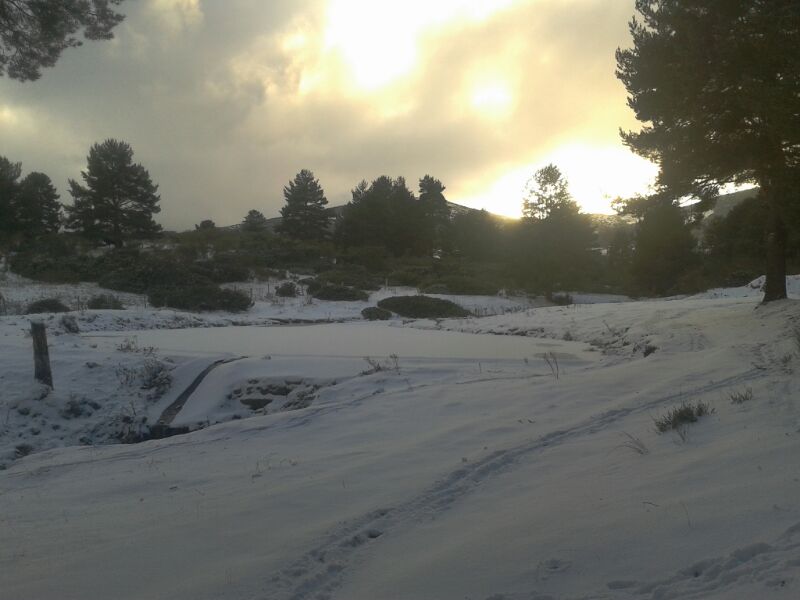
[[775, 285], [41, 356]]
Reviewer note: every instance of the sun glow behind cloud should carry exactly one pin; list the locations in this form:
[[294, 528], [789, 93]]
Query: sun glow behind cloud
[[492, 99], [379, 42]]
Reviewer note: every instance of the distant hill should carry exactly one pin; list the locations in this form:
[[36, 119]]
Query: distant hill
[[724, 204], [336, 211]]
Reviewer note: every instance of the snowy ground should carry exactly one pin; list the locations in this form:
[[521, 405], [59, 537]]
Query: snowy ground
[[455, 463]]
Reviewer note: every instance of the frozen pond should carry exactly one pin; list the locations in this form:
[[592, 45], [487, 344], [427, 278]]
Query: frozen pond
[[346, 340]]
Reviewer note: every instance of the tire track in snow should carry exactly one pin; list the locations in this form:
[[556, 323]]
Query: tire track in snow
[[318, 573]]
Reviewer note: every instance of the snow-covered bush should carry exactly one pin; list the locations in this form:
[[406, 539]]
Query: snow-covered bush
[[155, 376]]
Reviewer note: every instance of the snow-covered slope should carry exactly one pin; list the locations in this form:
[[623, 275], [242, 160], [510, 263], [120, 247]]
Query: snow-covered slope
[[533, 473]]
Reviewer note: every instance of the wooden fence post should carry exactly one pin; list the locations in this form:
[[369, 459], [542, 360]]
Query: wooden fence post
[[41, 356]]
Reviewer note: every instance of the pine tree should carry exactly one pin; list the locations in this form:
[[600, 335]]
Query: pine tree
[[304, 215], [664, 250], [553, 240], [119, 199], [436, 211], [205, 225], [37, 210], [33, 33], [546, 192], [716, 85], [254, 222], [9, 188], [383, 214]]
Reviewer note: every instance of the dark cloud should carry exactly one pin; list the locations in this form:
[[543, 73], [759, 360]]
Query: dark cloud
[[211, 96]]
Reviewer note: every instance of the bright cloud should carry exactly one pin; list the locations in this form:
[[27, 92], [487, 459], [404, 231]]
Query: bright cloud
[[242, 94]]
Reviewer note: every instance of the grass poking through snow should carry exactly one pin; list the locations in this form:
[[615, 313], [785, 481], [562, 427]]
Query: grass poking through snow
[[741, 396], [679, 416]]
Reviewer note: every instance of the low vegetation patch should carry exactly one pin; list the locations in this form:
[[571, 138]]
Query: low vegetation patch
[[354, 276], [412, 276], [200, 298], [423, 307], [679, 416], [461, 285], [338, 293], [46, 305], [286, 290], [373, 313], [741, 396], [633, 443], [104, 302], [131, 344], [560, 298]]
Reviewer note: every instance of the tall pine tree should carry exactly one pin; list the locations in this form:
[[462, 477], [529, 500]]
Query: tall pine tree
[[304, 216], [436, 210], [119, 198], [28, 207], [553, 239], [9, 188], [717, 86]]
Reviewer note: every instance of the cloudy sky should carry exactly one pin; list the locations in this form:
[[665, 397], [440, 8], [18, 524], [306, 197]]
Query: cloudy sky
[[224, 101]]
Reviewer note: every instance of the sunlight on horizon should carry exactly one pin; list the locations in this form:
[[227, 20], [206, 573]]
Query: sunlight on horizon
[[596, 175]]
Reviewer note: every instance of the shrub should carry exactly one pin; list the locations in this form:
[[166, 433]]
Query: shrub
[[155, 376], [560, 299], [199, 298], [70, 324], [463, 285], [104, 302], [222, 269], [408, 276], [286, 290], [353, 276], [46, 305], [423, 307], [337, 293], [139, 273], [679, 416], [373, 313]]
